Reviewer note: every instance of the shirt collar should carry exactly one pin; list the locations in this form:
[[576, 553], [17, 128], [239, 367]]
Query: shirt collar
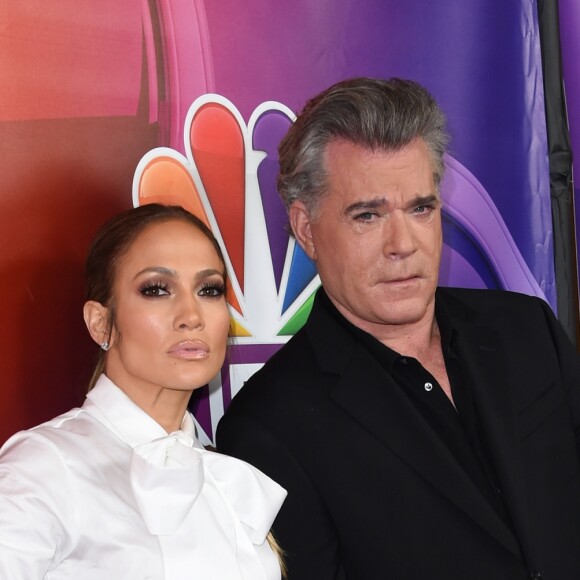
[[112, 407], [445, 321], [387, 355]]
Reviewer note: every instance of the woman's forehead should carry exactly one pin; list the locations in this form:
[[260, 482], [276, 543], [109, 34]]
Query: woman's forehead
[[172, 242]]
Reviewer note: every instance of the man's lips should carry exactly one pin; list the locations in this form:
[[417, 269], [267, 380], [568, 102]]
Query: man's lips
[[189, 350], [402, 280]]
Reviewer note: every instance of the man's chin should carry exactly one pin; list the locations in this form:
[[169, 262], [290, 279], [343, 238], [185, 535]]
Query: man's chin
[[405, 311]]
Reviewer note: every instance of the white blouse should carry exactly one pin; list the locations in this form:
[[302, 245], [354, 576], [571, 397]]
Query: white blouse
[[103, 493]]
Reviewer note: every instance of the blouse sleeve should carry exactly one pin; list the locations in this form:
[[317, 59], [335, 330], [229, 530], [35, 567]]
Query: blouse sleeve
[[37, 515]]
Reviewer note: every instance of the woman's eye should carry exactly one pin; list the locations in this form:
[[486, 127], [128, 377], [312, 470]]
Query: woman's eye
[[212, 290], [154, 290]]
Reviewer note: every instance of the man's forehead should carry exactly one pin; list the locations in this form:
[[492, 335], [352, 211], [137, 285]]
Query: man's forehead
[[345, 161], [340, 144]]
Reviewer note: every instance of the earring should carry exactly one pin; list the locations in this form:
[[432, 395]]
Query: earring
[[105, 346]]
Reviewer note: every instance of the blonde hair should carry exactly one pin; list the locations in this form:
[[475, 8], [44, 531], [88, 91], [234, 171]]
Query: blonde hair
[[279, 553]]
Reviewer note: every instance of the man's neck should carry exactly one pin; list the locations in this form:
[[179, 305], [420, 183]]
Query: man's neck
[[424, 344], [408, 338], [415, 340]]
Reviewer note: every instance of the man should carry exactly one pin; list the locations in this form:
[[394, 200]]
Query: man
[[421, 432]]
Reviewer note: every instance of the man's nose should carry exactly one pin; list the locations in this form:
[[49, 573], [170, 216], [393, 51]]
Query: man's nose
[[399, 238]]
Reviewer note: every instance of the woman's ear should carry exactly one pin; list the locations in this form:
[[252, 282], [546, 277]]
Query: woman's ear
[[300, 221], [97, 320]]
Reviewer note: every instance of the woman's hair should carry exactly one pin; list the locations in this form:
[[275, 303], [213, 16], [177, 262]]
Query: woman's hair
[[279, 553], [111, 244], [376, 114]]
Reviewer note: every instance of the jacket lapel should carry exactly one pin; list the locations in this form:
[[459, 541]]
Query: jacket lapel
[[487, 369], [367, 393]]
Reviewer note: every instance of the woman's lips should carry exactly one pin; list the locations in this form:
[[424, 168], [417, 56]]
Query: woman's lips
[[189, 350]]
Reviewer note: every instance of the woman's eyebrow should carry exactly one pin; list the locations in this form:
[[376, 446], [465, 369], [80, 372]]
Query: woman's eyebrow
[[201, 275], [157, 270], [207, 273]]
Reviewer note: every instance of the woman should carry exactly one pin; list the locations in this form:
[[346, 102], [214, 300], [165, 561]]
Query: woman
[[121, 488]]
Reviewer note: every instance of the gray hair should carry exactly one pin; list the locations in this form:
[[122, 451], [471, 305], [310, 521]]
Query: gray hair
[[376, 114]]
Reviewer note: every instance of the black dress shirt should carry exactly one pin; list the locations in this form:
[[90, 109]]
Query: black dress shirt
[[457, 427]]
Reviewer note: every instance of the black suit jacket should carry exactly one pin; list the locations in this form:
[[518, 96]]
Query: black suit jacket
[[372, 491]]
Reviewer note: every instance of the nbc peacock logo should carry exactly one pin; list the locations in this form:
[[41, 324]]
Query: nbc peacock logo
[[227, 177]]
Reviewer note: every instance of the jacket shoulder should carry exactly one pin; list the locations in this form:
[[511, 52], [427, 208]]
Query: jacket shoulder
[[284, 381], [488, 301]]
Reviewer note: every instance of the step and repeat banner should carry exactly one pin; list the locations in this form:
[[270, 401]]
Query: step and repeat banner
[[114, 103], [570, 44]]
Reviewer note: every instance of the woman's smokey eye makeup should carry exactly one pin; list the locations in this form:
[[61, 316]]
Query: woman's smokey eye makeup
[[212, 287], [154, 288]]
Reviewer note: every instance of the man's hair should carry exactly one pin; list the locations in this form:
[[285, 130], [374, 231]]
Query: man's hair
[[383, 115]]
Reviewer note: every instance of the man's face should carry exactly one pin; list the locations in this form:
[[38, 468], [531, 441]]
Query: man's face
[[376, 236]]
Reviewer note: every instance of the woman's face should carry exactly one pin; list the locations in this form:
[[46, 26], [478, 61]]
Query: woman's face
[[171, 320]]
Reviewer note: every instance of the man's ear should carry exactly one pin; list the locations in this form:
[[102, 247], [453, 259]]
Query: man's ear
[[300, 221], [97, 320]]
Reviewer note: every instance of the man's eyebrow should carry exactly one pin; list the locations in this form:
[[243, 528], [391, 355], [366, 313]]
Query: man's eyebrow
[[378, 202], [424, 200], [366, 205]]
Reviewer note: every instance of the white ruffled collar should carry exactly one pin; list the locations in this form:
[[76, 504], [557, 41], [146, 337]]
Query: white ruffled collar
[[168, 471], [126, 419]]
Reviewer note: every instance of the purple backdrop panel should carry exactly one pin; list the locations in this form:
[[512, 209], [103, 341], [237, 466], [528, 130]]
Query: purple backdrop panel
[[262, 60], [570, 43], [481, 59]]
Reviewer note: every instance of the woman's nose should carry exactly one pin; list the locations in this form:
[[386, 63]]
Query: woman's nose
[[188, 315]]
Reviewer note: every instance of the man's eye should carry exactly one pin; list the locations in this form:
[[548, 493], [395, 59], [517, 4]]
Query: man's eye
[[366, 216], [420, 209]]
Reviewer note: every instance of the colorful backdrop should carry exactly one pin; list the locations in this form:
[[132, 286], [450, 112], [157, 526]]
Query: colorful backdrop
[[109, 104], [570, 42]]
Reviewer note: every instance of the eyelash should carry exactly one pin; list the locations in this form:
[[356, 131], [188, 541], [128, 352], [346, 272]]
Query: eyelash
[[158, 289], [212, 289], [151, 289], [426, 208], [365, 216], [419, 210]]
